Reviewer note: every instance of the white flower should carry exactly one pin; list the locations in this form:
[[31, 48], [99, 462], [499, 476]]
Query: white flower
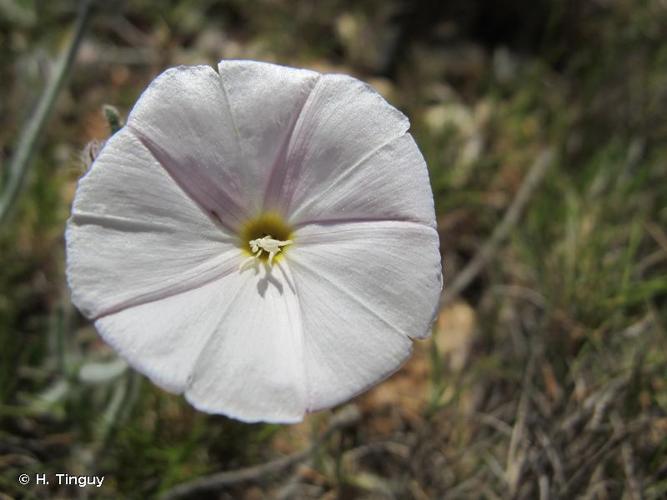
[[261, 239]]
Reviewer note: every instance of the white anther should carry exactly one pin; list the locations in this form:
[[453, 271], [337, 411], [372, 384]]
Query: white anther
[[264, 244]]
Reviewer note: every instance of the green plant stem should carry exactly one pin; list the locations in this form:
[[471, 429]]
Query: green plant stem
[[32, 131]]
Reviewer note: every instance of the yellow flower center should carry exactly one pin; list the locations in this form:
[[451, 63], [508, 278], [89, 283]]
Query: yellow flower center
[[265, 238]]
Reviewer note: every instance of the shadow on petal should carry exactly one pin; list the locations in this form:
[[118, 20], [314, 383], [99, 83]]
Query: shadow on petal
[[268, 279]]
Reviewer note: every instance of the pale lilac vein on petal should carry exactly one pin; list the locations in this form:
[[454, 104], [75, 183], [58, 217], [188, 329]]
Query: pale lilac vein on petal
[[211, 270], [264, 102], [409, 249], [298, 322], [184, 120], [242, 396], [274, 197], [352, 220], [163, 339], [358, 118], [131, 225], [320, 397], [346, 291], [214, 202], [391, 182], [127, 191], [333, 184], [342, 229], [333, 261]]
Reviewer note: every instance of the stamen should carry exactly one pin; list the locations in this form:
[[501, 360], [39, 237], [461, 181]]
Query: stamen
[[264, 244]]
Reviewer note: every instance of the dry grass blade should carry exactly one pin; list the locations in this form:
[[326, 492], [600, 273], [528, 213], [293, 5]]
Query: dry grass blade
[[18, 167], [531, 182]]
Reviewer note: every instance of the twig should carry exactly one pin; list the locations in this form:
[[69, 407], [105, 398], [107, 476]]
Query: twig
[[494, 422], [291, 487], [602, 452], [394, 448], [347, 417], [32, 131], [543, 483], [633, 486], [509, 220], [516, 457], [553, 457]]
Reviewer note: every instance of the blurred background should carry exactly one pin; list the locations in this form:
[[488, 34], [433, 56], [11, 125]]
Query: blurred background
[[546, 375]]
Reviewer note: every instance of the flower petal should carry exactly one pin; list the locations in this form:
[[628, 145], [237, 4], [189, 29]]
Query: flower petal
[[343, 127], [265, 102], [183, 118], [135, 236], [365, 289], [390, 184], [163, 339], [252, 369]]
